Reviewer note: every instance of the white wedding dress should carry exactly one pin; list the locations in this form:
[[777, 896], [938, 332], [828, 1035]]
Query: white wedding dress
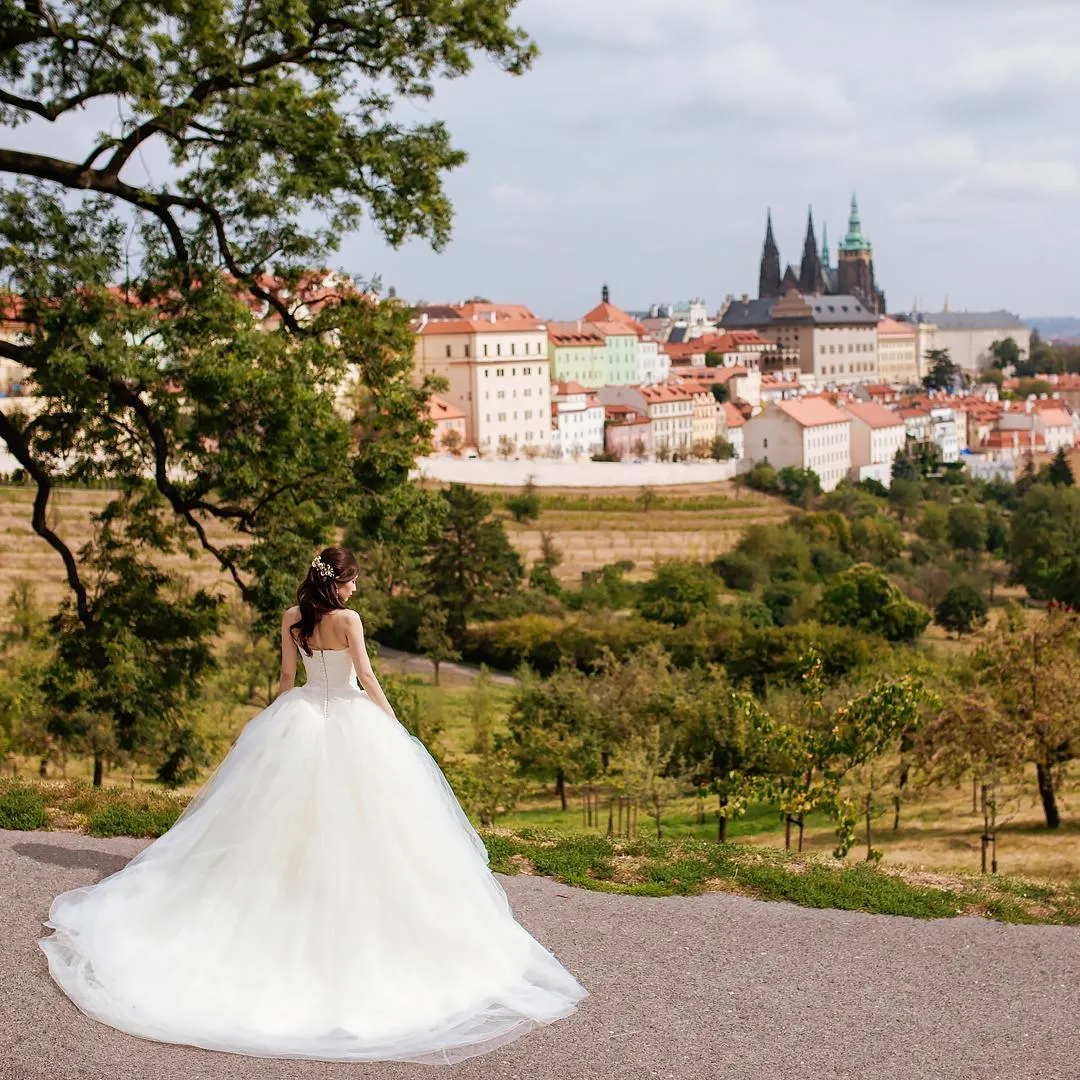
[[322, 896]]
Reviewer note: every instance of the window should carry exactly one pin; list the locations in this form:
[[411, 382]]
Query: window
[[466, 349], [498, 350], [528, 414], [485, 348], [487, 371], [513, 348], [501, 394], [527, 392], [500, 371], [448, 352], [502, 416], [487, 393]]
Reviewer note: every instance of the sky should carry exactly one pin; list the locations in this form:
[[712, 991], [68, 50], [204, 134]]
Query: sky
[[650, 136]]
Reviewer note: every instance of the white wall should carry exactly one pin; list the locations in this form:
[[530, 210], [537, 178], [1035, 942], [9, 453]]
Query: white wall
[[585, 474]]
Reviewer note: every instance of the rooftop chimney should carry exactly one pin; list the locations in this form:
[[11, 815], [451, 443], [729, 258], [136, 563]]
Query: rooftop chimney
[[745, 298]]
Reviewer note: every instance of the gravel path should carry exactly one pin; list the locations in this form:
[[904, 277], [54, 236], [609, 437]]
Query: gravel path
[[709, 987]]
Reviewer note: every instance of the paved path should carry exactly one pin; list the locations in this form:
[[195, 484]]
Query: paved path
[[711, 987], [450, 671]]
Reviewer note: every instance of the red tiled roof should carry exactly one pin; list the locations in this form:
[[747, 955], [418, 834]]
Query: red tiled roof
[[873, 415], [441, 409], [812, 412], [734, 417], [575, 333], [887, 327], [568, 386]]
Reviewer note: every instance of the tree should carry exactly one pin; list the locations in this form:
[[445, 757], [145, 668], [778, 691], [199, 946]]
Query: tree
[[554, 724], [176, 329], [120, 680], [1006, 353], [1060, 470], [721, 450], [720, 392], [864, 598], [1044, 544], [542, 574], [799, 486], [903, 468], [967, 528], [471, 559], [1030, 673], [722, 744], [678, 590], [905, 496], [433, 636], [970, 736], [452, 442], [525, 506], [962, 610], [762, 477], [943, 374]]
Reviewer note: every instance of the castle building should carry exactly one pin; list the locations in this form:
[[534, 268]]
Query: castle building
[[853, 274]]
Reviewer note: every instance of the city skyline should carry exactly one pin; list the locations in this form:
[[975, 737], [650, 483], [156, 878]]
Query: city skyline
[[648, 141]]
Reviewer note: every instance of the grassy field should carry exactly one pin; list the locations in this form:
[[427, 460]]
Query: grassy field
[[641, 866], [693, 521]]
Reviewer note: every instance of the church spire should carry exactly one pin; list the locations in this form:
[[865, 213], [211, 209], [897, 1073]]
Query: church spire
[[605, 294], [854, 240], [811, 278], [769, 275], [825, 263]]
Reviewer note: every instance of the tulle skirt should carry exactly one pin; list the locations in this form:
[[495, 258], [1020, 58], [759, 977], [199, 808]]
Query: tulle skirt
[[322, 896]]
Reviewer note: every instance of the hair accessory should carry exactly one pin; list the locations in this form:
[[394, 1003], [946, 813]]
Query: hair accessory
[[323, 568]]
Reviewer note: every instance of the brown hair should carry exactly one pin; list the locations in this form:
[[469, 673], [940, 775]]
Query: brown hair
[[318, 593]]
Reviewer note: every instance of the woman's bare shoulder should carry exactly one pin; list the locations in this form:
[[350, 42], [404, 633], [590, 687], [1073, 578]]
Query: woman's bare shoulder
[[291, 614]]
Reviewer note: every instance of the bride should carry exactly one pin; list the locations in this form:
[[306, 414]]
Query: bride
[[322, 896]]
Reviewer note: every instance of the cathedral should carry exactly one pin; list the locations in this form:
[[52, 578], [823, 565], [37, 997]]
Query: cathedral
[[853, 274]]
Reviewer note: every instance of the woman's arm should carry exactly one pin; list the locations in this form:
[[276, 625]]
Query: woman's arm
[[365, 674], [288, 655]]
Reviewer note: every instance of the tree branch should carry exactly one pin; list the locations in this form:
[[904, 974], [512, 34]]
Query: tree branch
[[18, 445]]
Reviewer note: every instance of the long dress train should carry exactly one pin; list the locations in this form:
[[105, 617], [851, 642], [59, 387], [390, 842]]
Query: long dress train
[[322, 896]]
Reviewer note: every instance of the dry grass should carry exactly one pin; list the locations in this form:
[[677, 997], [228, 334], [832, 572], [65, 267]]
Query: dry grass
[[939, 833]]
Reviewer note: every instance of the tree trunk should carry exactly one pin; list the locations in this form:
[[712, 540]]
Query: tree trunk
[[721, 821], [787, 831], [1048, 795], [560, 787], [99, 770], [896, 813], [435, 664], [802, 828], [869, 845]]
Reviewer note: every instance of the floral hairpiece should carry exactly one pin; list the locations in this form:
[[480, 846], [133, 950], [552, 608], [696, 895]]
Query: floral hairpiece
[[323, 568]]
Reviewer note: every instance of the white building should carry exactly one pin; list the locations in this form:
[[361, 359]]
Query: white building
[[809, 433], [1051, 420], [577, 421], [967, 335], [495, 359], [937, 424], [877, 434], [898, 358], [734, 422], [670, 410]]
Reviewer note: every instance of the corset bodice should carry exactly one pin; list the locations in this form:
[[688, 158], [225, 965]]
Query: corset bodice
[[330, 674]]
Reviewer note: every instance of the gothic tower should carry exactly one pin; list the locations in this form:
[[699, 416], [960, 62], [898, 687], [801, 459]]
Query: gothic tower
[[811, 279], [855, 265], [769, 274]]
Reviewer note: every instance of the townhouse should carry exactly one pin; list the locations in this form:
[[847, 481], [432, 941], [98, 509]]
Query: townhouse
[[877, 435], [808, 433]]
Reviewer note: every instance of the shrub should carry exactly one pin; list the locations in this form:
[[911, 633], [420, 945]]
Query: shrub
[[678, 590], [122, 819], [22, 808]]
